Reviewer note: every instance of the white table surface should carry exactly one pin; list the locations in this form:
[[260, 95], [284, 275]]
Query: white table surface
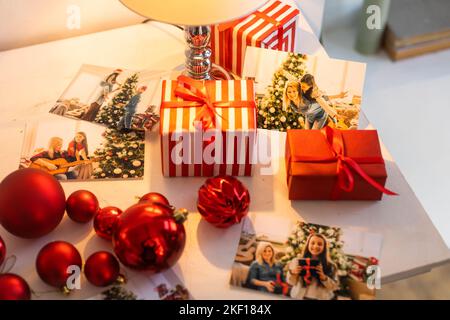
[[32, 79]]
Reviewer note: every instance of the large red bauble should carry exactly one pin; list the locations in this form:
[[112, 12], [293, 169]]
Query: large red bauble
[[154, 197], [223, 201], [32, 203], [81, 206], [147, 237], [105, 222], [13, 287], [2, 251], [102, 269], [54, 259]]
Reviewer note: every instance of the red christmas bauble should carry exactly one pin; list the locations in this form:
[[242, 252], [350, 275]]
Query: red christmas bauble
[[81, 206], [53, 261], [13, 287], [105, 222], [147, 237], [223, 201], [154, 197], [102, 269], [2, 251], [32, 203]]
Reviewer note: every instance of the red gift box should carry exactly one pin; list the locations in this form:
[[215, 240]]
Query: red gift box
[[207, 127], [332, 164], [272, 27]]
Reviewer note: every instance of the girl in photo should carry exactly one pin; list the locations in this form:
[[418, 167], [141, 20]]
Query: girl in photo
[[293, 100], [107, 88], [264, 271], [319, 106], [322, 286], [53, 152], [76, 151]]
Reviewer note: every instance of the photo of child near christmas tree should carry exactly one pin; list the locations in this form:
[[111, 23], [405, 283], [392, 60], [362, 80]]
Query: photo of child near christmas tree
[[112, 97], [297, 91], [78, 150], [303, 260]]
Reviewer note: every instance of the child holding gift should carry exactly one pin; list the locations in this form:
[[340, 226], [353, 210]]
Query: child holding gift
[[130, 109], [323, 285]]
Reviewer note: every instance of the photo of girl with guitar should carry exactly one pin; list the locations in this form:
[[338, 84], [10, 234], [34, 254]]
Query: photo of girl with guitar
[[65, 165]]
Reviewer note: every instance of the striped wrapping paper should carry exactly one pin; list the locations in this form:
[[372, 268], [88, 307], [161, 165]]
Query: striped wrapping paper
[[272, 27], [232, 156]]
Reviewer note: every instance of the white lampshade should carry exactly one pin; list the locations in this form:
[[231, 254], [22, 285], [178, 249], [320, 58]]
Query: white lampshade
[[193, 12]]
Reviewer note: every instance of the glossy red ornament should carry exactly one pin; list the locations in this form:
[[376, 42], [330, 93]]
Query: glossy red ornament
[[54, 259], [102, 269], [81, 206], [105, 222], [14, 287], [154, 197], [32, 203], [148, 237], [2, 251], [223, 201]]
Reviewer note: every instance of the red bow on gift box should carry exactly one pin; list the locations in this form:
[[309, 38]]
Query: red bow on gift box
[[307, 268], [194, 94], [284, 286], [346, 166]]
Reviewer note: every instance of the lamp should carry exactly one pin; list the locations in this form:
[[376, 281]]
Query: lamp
[[196, 16]]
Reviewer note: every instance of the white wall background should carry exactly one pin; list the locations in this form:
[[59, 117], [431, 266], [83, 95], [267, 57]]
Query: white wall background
[[28, 22]]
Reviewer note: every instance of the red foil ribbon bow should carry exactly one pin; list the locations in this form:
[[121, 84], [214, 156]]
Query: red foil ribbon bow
[[284, 286], [346, 166], [194, 94]]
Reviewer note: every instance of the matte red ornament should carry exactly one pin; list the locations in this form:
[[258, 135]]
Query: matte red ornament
[[102, 269], [154, 197], [148, 237], [32, 203], [223, 201], [2, 251], [14, 287], [81, 206], [105, 222], [54, 259]]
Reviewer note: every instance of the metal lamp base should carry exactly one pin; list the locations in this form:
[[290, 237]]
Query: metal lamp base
[[198, 56]]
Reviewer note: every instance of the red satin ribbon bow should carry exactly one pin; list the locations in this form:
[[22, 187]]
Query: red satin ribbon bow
[[261, 15], [284, 286], [194, 94], [346, 165]]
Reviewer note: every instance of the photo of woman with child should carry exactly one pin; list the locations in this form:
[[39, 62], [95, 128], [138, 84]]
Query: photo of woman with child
[[305, 98]]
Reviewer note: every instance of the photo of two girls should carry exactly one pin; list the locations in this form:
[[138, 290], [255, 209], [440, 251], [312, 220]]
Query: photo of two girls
[[309, 263]]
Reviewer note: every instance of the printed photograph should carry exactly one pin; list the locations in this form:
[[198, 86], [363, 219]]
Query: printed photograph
[[78, 150], [298, 91], [117, 98], [162, 286], [305, 261]]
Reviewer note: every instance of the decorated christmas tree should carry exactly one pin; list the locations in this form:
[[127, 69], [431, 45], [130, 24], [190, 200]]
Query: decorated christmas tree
[[271, 114], [113, 112], [297, 242], [121, 155]]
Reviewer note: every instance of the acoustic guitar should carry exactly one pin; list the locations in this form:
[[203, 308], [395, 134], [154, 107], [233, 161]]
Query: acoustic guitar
[[62, 165]]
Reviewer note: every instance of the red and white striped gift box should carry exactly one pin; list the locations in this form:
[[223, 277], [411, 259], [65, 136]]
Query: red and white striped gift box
[[272, 27], [188, 150]]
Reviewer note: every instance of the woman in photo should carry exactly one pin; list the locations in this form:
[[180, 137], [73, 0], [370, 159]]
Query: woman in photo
[[265, 271], [321, 286], [293, 100], [54, 151], [107, 87], [76, 151]]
